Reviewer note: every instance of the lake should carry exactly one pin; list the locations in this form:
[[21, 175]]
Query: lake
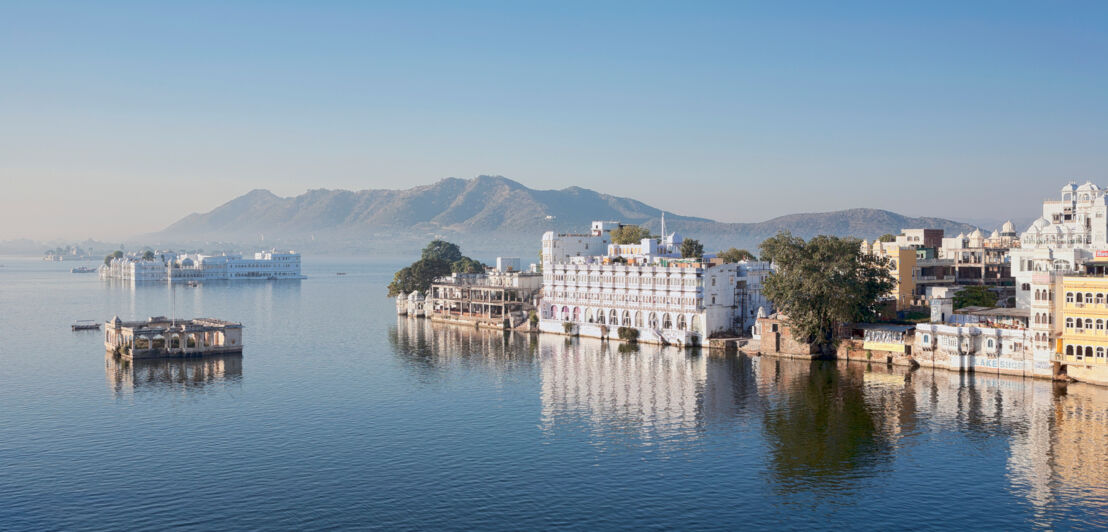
[[339, 414]]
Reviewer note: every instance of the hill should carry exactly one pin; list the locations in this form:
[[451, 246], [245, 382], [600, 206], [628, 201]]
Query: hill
[[486, 214]]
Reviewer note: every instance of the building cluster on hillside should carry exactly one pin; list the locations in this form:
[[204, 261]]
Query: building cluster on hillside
[[168, 266], [1053, 275]]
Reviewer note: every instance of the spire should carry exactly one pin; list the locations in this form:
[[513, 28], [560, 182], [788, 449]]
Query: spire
[[663, 226]]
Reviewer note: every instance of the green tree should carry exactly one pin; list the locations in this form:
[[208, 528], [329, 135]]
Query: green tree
[[822, 283], [629, 234], [691, 249], [975, 296], [418, 276], [887, 237], [467, 265], [736, 255], [148, 255], [442, 250]]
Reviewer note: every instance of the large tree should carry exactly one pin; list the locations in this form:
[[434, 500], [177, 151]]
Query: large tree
[[735, 255], [822, 283], [442, 250], [629, 234], [975, 296], [439, 259], [691, 249]]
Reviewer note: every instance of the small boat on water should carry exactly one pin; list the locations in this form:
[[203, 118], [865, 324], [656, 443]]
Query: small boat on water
[[83, 269], [193, 284], [85, 325], [340, 273]]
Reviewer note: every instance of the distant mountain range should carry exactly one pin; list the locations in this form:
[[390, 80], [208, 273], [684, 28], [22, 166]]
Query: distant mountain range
[[488, 214]]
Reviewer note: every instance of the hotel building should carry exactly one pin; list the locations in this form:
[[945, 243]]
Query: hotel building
[[167, 266], [592, 288]]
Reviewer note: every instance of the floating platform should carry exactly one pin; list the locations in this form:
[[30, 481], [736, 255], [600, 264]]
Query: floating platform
[[85, 325]]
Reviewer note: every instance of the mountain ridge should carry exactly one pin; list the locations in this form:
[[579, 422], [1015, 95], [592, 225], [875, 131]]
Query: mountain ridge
[[493, 209]]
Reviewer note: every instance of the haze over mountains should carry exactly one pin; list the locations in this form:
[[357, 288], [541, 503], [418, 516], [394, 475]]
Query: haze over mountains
[[487, 215]]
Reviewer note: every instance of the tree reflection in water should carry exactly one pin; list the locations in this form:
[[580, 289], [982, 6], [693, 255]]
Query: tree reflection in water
[[817, 423]]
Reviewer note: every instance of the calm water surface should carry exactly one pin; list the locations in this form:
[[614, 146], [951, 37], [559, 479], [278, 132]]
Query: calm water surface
[[341, 415]]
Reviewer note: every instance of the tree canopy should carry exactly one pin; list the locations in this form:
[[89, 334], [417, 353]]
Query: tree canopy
[[148, 255], [975, 296], [736, 255], [887, 237], [629, 234], [438, 259], [691, 249], [442, 250], [823, 282]]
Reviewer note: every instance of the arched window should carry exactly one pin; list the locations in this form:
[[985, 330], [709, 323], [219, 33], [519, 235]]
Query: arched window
[[1026, 287], [1088, 297], [680, 322], [553, 312], [1089, 351], [1069, 323], [1088, 323], [576, 313], [1100, 352], [626, 321], [667, 321], [652, 320], [638, 319], [696, 324], [1100, 325], [1069, 297], [1069, 350], [613, 317], [1079, 298], [991, 343], [600, 316]]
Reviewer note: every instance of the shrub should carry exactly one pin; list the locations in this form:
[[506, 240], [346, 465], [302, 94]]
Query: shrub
[[628, 334], [568, 327]]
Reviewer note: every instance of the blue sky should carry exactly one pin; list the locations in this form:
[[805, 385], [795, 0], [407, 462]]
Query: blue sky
[[735, 111]]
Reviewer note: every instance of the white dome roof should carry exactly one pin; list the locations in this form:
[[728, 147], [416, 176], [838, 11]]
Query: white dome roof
[[1089, 186], [1069, 188], [961, 235], [1008, 227], [976, 234], [995, 234]]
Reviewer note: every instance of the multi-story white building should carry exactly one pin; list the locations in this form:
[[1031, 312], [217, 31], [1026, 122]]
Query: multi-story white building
[[649, 288], [561, 247], [1070, 232], [173, 267]]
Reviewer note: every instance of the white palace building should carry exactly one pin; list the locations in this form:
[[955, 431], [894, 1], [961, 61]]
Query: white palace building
[[167, 266], [592, 287]]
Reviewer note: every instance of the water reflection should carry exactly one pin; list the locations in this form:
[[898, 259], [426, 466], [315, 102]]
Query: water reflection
[[188, 375], [822, 427], [433, 348]]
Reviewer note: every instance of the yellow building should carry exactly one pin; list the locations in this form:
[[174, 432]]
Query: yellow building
[[1083, 348], [902, 266]]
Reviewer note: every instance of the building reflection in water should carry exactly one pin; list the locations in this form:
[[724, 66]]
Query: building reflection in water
[[171, 375], [821, 423]]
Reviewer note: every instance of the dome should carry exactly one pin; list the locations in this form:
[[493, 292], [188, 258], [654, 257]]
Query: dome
[[976, 234], [187, 263], [962, 236], [115, 321], [1008, 227], [1089, 186], [1069, 188], [1033, 230], [995, 234], [415, 296]]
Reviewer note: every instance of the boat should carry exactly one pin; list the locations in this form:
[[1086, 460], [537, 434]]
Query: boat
[[83, 269], [85, 325], [340, 273], [193, 284]]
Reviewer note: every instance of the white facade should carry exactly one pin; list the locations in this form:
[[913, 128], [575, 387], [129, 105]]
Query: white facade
[[978, 349], [172, 267], [640, 286], [1069, 233], [561, 247]]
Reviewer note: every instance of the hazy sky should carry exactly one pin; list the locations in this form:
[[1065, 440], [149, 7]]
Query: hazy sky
[[119, 118]]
